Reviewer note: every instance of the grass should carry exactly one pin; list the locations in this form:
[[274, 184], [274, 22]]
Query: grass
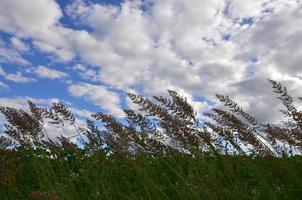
[[29, 174], [141, 165]]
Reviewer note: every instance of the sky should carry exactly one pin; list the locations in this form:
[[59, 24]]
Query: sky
[[90, 53]]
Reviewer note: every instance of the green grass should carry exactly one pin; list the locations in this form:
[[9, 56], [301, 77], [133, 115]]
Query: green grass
[[145, 177]]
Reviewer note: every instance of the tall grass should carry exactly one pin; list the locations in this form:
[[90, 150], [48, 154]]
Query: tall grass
[[161, 151], [28, 174]]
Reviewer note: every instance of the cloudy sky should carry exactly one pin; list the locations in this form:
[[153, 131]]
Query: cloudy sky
[[89, 53]]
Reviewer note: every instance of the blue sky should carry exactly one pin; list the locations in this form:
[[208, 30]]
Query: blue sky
[[88, 54], [46, 88]]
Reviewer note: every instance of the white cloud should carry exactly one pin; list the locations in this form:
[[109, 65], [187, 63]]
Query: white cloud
[[19, 44], [277, 41], [181, 45], [17, 77], [86, 73], [39, 21], [2, 72], [98, 95], [3, 85], [8, 55], [201, 47], [23, 18], [44, 72]]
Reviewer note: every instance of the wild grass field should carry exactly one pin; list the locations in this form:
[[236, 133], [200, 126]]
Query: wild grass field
[[160, 151], [28, 174]]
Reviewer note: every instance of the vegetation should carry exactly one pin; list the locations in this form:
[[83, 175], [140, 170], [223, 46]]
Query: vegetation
[[160, 151]]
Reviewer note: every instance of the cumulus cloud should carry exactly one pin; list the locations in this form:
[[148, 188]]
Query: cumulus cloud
[[17, 77], [2, 72], [201, 47], [86, 73], [44, 72], [179, 46], [99, 95], [277, 40], [39, 21], [9, 55], [3, 85], [19, 44]]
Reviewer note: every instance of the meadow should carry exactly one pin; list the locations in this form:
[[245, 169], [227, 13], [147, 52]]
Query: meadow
[[161, 151], [28, 174]]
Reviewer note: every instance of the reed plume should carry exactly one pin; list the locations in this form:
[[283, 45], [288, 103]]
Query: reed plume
[[165, 125]]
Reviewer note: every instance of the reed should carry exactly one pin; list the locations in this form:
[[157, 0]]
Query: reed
[[160, 151]]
